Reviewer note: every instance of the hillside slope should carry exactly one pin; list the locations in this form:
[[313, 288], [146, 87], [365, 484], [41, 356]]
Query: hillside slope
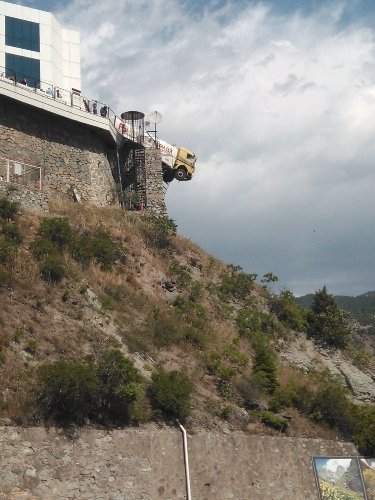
[[127, 281]]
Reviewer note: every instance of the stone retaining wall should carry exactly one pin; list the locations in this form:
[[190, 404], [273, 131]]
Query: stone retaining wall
[[70, 155], [35, 201], [135, 464], [77, 158]]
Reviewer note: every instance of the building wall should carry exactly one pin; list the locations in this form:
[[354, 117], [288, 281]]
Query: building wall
[[71, 155], [59, 53], [148, 464]]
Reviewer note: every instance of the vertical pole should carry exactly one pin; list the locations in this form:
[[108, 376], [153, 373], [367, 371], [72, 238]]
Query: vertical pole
[[186, 460]]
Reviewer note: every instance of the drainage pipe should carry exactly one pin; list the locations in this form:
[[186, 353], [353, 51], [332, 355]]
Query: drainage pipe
[[186, 460]]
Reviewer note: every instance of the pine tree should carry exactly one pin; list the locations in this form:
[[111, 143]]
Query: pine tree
[[326, 323]]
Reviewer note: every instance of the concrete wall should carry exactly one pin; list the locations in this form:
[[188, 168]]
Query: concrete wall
[[135, 464], [70, 154]]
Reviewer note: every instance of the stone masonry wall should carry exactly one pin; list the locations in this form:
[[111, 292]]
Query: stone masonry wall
[[35, 201], [71, 155], [155, 201], [147, 464]]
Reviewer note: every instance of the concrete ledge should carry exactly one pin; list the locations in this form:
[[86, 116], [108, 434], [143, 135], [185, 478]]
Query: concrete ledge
[[40, 100]]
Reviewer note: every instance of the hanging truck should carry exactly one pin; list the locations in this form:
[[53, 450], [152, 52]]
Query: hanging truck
[[177, 161]]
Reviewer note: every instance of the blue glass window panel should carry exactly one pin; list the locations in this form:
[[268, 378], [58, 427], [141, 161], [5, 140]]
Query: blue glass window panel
[[23, 67], [22, 34]]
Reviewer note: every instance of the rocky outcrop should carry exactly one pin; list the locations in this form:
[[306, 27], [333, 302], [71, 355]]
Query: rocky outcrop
[[304, 354]]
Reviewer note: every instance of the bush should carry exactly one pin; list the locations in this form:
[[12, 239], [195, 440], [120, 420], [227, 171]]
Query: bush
[[159, 231], [8, 250], [119, 386], [236, 284], [288, 312], [42, 248], [170, 395], [8, 209], [57, 230], [67, 391], [104, 250], [250, 322], [274, 421], [12, 232], [98, 247], [363, 418], [103, 391], [52, 269]]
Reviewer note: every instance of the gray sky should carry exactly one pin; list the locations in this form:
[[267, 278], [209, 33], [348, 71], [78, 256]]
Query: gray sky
[[278, 103]]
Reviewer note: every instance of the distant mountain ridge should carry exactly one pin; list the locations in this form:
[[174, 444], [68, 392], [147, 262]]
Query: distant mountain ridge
[[361, 307]]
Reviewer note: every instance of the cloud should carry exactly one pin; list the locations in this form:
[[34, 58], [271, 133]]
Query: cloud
[[280, 110]]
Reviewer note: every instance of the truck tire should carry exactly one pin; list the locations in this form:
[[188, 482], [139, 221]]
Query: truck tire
[[168, 176], [181, 174]]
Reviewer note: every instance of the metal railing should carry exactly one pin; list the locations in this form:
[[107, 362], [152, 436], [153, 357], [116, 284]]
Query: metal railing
[[73, 99], [19, 172]]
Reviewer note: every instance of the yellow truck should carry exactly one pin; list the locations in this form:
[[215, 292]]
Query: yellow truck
[[177, 161]]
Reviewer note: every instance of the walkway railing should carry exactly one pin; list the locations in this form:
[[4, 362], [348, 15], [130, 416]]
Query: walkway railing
[[18, 172], [73, 99]]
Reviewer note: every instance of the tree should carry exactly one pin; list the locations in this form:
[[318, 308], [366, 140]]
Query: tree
[[326, 323]]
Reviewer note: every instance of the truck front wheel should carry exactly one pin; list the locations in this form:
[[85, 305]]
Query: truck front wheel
[[181, 174]]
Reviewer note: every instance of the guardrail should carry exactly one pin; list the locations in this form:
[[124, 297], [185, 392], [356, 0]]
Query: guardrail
[[18, 172], [73, 98]]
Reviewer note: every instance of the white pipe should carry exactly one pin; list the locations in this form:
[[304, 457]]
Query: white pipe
[[186, 460]]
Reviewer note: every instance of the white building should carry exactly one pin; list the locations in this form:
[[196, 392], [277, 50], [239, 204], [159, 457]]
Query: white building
[[33, 45]]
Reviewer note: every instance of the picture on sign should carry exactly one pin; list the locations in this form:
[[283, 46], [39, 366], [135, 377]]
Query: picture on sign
[[339, 478], [368, 474]]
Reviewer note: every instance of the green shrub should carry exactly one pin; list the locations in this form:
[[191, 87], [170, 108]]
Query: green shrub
[[275, 421], [363, 419], [99, 247], [331, 406], [42, 248], [181, 274], [226, 412], [119, 385], [57, 230], [159, 231], [67, 391], [80, 249], [103, 391], [288, 312], [250, 322], [8, 209], [236, 284], [104, 250], [52, 269], [190, 308], [12, 232], [31, 346], [170, 395], [8, 251]]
